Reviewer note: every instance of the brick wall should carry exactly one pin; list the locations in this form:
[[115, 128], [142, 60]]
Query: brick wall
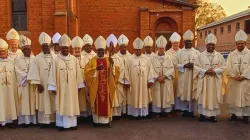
[[225, 40], [132, 18], [97, 17]]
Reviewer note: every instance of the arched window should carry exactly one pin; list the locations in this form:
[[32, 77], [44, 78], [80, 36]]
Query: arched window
[[19, 14]]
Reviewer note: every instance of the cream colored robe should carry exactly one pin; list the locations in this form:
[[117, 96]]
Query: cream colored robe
[[210, 89], [119, 94], [150, 55], [185, 83], [83, 102], [238, 95], [173, 55], [66, 76], [89, 56], [38, 74], [139, 72], [13, 55], [8, 91], [123, 92], [163, 94], [26, 91]]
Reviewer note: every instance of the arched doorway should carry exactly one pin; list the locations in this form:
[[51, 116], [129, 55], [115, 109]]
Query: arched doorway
[[165, 26]]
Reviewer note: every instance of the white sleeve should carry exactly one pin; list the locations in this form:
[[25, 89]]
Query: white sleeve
[[51, 87]]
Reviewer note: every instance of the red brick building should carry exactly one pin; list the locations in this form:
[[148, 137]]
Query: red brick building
[[225, 31], [134, 18]]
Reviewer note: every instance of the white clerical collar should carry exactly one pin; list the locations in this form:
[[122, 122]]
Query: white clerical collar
[[211, 53], [185, 49], [245, 50], [64, 57], [92, 52]]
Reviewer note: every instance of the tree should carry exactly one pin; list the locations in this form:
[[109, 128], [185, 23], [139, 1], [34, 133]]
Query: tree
[[208, 12]]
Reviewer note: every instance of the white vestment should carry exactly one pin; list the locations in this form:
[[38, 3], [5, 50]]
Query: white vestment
[[184, 100]]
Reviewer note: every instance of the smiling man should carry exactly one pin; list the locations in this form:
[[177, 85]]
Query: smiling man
[[38, 76], [208, 71], [12, 39], [101, 76], [8, 87], [26, 91], [64, 80], [238, 72], [185, 64]]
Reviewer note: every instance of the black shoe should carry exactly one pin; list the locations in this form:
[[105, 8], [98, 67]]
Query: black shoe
[[202, 118], [246, 119], [149, 116], [116, 118], [42, 126], [213, 119], [61, 129], [191, 114], [73, 128], [185, 114], [94, 124], [233, 118], [12, 125], [23, 125]]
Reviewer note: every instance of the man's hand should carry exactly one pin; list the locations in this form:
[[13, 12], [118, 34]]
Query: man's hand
[[79, 89], [126, 85], [189, 65], [40, 88], [210, 72], [239, 78], [99, 67], [150, 84], [161, 79], [111, 60], [53, 92]]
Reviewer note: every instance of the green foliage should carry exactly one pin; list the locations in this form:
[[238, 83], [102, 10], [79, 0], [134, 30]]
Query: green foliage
[[208, 12]]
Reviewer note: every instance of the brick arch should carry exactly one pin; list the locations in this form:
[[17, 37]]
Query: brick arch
[[165, 24]]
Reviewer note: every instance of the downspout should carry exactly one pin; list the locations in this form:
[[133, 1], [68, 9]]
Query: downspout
[[68, 17]]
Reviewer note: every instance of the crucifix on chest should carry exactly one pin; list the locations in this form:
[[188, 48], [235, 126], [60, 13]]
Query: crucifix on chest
[[48, 68], [66, 70], [161, 67], [239, 66], [27, 69], [139, 66], [5, 72], [48, 64]]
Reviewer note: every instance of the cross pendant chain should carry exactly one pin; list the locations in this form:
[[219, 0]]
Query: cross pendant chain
[[239, 66], [4, 72]]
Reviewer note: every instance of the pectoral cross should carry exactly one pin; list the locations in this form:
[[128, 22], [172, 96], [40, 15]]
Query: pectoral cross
[[48, 69], [161, 67], [27, 69], [139, 68], [189, 59], [239, 66], [66, 70], [211, 62], [5, 80]]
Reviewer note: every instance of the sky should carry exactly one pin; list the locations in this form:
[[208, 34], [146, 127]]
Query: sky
[[233, 6]]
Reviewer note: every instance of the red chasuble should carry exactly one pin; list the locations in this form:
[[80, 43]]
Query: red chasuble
[[102, 91]]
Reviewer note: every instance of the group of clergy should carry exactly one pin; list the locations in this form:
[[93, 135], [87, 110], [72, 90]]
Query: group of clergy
[[55, 87]]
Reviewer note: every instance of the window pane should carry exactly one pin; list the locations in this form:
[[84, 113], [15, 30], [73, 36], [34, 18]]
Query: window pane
[[229, 28], [19, 15], [247, 26], [237, 26], [19, 6]]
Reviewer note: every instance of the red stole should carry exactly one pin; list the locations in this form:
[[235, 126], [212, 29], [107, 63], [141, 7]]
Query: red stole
[[102, 91]]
